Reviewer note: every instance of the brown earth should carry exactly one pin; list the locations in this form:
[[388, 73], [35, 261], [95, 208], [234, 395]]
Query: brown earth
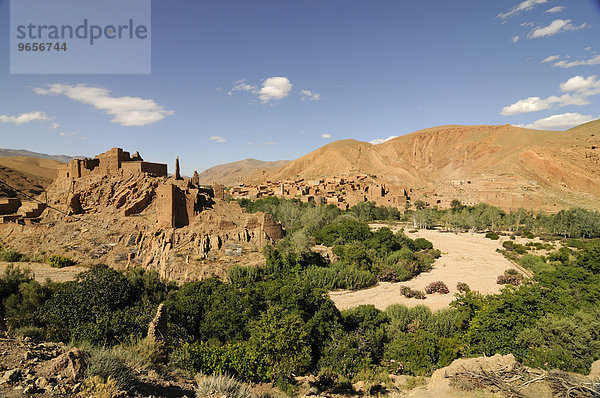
[[466, 257], [42, 271], [504, 164], [236, 172], [27, 174]]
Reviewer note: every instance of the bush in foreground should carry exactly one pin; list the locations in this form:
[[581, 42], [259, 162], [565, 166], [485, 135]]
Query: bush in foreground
[[57, 261], [510, 277], [222, 385], [437, 287], [10, 255], [108, 365], [492, 236], [462, 287], [412, 293]]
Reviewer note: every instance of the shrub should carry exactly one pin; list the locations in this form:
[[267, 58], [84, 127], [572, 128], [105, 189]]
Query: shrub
[[347, 353], [107, 364], [57, 261], [33, 332], [510, 277], [423, 244], [528, 235], [10, 255], [281, 338], [535, 263], [345, 231], [512, 246], [101, 306], [37, 257], [412, 293], [462, 287], [98, 387], [492, 236], [142, 353], [590, 258], [437, 287], [417, 352], [401, 317], [241, 276], [230, 358], [222, 385]]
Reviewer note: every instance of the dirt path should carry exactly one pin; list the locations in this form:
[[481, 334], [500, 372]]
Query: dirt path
[[466, 257], [42, 271]]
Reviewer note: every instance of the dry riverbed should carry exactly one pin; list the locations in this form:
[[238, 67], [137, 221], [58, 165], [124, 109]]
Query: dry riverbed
[[466, 257]]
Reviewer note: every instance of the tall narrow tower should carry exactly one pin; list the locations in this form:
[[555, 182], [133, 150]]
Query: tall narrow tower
[[177, 173]]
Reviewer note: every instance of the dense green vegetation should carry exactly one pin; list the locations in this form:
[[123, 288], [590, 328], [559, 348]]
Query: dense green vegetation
[[274, 322], [361, 257], [266, 325], [573, 223]]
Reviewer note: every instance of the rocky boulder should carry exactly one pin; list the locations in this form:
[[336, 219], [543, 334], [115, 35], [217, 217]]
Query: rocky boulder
[[71, 364]]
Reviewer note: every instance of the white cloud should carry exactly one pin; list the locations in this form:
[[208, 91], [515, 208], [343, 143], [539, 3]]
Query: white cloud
[[378, 141], [514, 39], [126, 111], [588, 48], [64, 133], [217, 138], [310, 95], [326, 136], [582, 86], [555, 27], [241, 85], [55, 126], [550, 58], [529, 24], [523, 6], [24, 118], [531, 104], [534, 104], [578, 90], [274, 88], [558, 122], [555, 9], [586, 62]]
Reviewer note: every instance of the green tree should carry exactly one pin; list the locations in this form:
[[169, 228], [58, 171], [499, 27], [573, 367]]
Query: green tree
[[281, 338]]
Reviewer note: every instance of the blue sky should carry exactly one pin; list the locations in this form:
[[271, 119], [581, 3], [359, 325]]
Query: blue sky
[[277, 79]]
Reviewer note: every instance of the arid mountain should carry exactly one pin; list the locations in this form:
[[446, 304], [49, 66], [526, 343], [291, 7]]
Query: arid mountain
[[494, 164], [27, 174], [5, 152], [233, 173]]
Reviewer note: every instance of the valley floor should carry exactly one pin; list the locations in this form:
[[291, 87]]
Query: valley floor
[[466, 257]]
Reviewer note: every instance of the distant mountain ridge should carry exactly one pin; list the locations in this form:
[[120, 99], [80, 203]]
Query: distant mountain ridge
[[498, 164], [5, 152], [240, 171]]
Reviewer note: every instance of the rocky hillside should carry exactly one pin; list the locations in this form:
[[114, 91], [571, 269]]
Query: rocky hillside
[[555, 168], [112, 219]]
